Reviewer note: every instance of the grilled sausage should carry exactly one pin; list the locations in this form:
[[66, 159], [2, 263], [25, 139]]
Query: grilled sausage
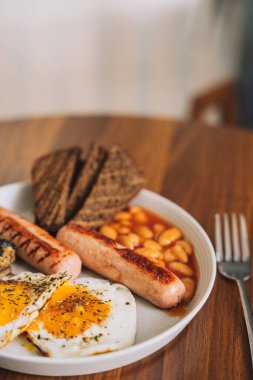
[[37, 247], [110, 259]]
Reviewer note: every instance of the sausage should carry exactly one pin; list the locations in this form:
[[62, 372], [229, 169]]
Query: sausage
[[37, 247], [112, 260]]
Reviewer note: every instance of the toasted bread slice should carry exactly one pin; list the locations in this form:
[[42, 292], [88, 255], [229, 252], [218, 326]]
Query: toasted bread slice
[[52, 178], [118, 182], [85, 179]]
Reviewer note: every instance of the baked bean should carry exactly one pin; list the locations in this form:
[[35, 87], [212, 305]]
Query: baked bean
[[124, 240], [161, 262], [134, 209], [135, 240], [158, 227], [185, 245], [179, 253], [123, 215], [129, 241], [116, 226], [124, 230], [144, 232], [126, 223], [109, 232], [141, 217], [180, 268], [168, 256], [149, 253], [152, 244], [189, 288], [169, 236]]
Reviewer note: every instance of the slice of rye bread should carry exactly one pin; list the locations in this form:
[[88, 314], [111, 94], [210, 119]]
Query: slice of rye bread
[[85, 179], [49, 186], [52, 177], [57, 217], [118, 182]]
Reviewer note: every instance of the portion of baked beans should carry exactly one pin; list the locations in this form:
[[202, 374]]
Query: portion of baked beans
[[150, 235]]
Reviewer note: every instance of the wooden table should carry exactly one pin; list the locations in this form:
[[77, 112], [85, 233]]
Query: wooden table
[[204, 170]]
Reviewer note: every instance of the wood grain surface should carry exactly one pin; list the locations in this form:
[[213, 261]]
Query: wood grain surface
[[204, 170]]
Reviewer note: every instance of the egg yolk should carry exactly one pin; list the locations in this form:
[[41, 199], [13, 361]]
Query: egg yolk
[[14, 297], [71, 311]]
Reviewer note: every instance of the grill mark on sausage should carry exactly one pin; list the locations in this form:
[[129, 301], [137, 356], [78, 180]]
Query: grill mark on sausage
[[7, 228], [54, 264], [15, 235], [18, 239], [3, 226], [75, 226], [158, 272], [43, 257], [25, 243], [1, 231], [33, 251]]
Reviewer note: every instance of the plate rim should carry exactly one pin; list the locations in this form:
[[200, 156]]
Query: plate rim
[[178, 326]]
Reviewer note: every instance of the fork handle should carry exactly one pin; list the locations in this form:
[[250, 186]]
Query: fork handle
[[247, 313]]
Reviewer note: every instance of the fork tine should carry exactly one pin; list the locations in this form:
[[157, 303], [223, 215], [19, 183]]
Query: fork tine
[[244, 238], [235, 237], [228, 251], [218, 238]]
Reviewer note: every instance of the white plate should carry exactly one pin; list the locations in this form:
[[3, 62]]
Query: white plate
[[155, 328]]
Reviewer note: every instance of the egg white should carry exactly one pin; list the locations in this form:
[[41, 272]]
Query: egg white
[[117, 331], [42, 287]]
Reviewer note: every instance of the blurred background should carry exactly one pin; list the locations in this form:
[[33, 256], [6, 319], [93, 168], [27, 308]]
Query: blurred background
[[179, 59]]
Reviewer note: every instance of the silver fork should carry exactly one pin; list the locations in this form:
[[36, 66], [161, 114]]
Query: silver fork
[[235, 263]]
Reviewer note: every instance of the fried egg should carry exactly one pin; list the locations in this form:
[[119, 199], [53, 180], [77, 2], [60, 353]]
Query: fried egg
[[21, 296], [85, 317]]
